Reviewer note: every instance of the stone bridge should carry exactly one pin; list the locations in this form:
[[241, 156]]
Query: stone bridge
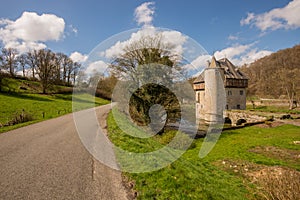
[[238, 117]]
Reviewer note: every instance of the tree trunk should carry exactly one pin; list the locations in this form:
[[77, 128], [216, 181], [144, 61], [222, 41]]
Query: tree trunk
[[23, 71], [11, 70], [33, 75]]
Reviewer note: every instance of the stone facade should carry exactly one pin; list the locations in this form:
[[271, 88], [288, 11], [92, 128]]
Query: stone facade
[[220, 86]]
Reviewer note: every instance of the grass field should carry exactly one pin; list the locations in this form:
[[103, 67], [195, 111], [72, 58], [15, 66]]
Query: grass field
[[274, 109], [38, 107], [227, 171]]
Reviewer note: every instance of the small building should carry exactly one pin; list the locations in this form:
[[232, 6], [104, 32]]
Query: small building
[[220, 86]]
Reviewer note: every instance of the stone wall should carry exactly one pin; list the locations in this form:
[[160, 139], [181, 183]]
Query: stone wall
[[236, 98], [236, 116]]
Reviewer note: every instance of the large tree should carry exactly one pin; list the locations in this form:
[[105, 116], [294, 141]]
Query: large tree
[[76, 68], [1, 66], [9, 56], [46, 68], [32, 61], [149, 64], [22, 60]]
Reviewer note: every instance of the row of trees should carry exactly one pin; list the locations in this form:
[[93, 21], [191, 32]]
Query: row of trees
[[43, 65]]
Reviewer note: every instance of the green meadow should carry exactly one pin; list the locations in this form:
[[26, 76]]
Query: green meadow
[[225, 173], [37, 107]]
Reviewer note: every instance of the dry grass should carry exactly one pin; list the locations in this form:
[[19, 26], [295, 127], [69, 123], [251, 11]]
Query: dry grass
[[288, 155], [278, 183], [272, 182]]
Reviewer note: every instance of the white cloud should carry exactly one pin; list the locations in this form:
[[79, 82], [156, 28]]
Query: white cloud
[[144, 14], [279, 18], [173, 39], [31, 30], [96, 67], [199, 63], [196, 67], [73, 29], [252, 56], [232, 37], [242, 54], [233, 51], [78, 57]]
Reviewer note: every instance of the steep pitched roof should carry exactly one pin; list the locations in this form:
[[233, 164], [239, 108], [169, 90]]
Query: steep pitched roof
[[230, 70], [214, 63]]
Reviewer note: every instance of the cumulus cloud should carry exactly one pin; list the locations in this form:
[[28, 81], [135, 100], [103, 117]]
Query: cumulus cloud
[[96, 67], [196, 67], [199, 63], [242, 54], [280, 18], [173, 39], [31, 30], [144, 14], [78, 57]]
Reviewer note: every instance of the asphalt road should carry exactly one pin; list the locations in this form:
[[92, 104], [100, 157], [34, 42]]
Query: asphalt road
[[48, 161]]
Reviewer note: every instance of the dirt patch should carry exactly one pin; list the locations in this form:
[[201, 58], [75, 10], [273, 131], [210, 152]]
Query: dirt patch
[[269, 124], [273, 182], [295, 122], [277, 182], [129, 185], [287, 155]]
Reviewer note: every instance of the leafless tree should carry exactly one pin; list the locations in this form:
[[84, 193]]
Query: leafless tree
[[142, 61], [32, 61], [46, 68], [22, 60], [9, 56]]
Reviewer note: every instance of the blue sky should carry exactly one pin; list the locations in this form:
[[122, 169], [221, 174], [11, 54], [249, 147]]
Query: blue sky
[[242, 30]]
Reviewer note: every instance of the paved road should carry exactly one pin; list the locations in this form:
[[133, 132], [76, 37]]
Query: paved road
[[48, 161]]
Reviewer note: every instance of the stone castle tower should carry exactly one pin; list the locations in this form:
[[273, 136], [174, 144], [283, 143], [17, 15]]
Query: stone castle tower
[[220, 86]]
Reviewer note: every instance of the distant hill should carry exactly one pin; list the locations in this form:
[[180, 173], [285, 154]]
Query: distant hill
[[276, 75]]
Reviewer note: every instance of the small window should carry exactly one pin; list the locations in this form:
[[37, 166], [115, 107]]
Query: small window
[[238, 106], [241, 92], [229, 93], [227, 107]]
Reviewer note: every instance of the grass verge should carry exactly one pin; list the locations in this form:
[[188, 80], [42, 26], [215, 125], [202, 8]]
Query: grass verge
[[190, 177], [40, 107]]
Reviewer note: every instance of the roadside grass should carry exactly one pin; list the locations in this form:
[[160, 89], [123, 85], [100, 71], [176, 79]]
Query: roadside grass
[[41, 107], [190, 177]]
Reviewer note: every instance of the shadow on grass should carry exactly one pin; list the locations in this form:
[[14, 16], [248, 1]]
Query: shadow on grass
[[25, 96], [78, 100]]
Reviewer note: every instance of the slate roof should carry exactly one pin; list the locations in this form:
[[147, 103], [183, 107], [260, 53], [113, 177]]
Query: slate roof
[[231, 71]]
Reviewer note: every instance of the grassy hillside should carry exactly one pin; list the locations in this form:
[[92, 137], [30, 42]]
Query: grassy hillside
[[228, 172], [17, 102], [11, 85]]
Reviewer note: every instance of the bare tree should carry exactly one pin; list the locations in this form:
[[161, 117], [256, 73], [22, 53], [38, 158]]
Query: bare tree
[[22, 60], [276, 75], [32, 61], [10, 59], [135, 65], [76, 67], [69, 70], [64, 62], [58, 67], [1, 66], [46, 68]]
